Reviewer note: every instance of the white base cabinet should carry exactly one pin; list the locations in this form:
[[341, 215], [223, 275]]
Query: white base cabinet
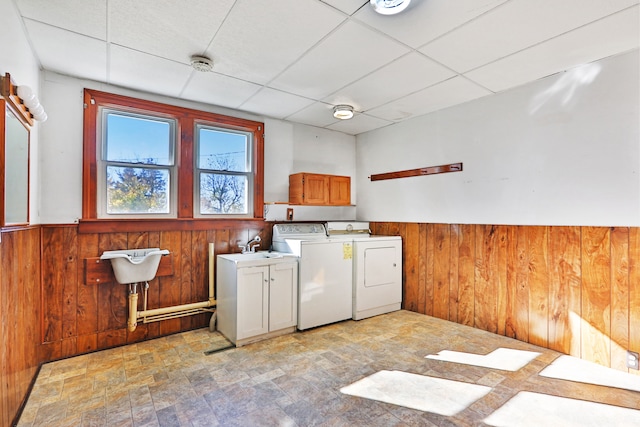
[[257, 301]]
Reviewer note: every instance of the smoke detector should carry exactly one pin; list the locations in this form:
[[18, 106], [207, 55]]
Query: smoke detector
[[201, 63]]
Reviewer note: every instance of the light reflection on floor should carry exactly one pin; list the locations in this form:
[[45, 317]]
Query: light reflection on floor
[[525, 409]]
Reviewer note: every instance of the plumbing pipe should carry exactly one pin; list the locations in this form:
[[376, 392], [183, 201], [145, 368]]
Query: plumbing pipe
[[133, 306], [163, 313]]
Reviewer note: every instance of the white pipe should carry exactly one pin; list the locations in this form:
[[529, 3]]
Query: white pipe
[[133, 306], [173, 311], [212, 294], [175, 308]]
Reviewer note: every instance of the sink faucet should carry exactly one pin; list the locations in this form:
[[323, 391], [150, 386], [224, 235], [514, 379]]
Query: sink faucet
[[249, 248]]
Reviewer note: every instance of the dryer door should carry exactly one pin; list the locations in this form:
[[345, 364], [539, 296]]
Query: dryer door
[[377, 277]]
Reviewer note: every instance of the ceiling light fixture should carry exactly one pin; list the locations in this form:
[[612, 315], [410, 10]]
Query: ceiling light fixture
[[201, 63], [343, 112], [389, 7]]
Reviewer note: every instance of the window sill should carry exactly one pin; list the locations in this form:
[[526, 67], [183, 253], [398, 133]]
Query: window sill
[[86, 226]]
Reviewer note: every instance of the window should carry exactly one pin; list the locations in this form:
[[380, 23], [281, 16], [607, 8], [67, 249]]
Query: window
[[136, 165], [224, 169], [145, 160]]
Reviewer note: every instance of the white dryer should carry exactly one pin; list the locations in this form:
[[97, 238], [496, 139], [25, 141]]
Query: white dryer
[[377, 268]]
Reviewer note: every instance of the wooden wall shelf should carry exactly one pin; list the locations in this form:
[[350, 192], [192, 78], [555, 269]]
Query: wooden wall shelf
[[430, 170]]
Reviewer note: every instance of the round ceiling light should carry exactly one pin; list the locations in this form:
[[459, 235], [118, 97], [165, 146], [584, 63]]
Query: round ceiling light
[[343, 112], [389, 7], [201, 63]]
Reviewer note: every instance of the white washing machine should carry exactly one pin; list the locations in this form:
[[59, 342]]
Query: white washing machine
[[325, 272], [377, 268]]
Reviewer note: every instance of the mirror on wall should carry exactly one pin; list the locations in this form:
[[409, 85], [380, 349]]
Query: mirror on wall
[[16, 169], [15, 121]]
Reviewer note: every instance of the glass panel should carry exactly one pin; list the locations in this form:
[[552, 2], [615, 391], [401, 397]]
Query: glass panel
[[16, 170], [223, 194], [138, 139], [223, 151], [137, 190]]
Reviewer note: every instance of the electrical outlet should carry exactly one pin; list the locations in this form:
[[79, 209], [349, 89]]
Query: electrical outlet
[[632, 360], [289, 214]]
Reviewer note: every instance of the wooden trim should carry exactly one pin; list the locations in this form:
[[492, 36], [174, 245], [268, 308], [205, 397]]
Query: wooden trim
[[89, 167], [186, 119], [430, 170], [183, 224], [9, 91]]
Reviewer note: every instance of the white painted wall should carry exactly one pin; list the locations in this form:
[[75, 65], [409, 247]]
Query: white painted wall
[[563, 150], [289, 148], [17, 60]]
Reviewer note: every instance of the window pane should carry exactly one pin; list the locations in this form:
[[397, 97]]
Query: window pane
[[137, 190], [223, 151], [138, 139], [223, 194]]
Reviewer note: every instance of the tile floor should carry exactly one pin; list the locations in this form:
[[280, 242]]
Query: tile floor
[[293, 380]]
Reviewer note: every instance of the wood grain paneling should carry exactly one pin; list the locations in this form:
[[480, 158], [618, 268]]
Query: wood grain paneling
[[572, 289], [20, 327], [82, 317], [564, 290]]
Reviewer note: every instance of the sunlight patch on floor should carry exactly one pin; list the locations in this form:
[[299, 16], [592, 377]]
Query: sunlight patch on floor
[[528, 409], [436, 395], [573, 369], [506, 359]]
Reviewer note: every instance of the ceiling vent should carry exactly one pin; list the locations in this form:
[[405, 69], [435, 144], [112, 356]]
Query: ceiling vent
[[201, 63]]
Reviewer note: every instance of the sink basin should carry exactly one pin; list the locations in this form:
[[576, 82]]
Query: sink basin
[[135, 265], [257, 258]]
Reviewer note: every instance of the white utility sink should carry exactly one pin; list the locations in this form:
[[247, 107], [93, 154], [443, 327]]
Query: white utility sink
[[257, 258], [135, 265]]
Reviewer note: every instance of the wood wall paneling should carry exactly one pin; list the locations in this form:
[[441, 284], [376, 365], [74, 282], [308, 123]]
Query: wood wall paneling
[[572, 289], [20, 326], [565, 289], [596, 295], [634, 292]]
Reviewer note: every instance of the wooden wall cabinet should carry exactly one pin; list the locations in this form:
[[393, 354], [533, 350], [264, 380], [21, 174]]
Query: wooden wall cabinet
[[319, 189]]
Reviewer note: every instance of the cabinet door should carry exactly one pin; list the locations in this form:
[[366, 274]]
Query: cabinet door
[[316, 189], [253, 301], [283, 296], [339, 190]]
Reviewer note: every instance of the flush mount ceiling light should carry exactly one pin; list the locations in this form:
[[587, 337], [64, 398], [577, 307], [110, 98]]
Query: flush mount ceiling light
[[343, 112], [201, 63], [389, 7]]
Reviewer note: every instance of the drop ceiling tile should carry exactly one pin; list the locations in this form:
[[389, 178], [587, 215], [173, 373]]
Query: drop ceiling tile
[[218, 89], [130, 68], [358, 124], [68, 53], [401, 77], [317, 114], [514, 26], [349, 53], [274, 103], [259, 39], [456, 90], [424, 20], [88, 17], [615, 34], [347, 6], [166, 28]]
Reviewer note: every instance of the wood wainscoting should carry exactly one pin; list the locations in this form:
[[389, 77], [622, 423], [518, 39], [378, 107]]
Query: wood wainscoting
[[19, 317], [80, 317], [572, 289]]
